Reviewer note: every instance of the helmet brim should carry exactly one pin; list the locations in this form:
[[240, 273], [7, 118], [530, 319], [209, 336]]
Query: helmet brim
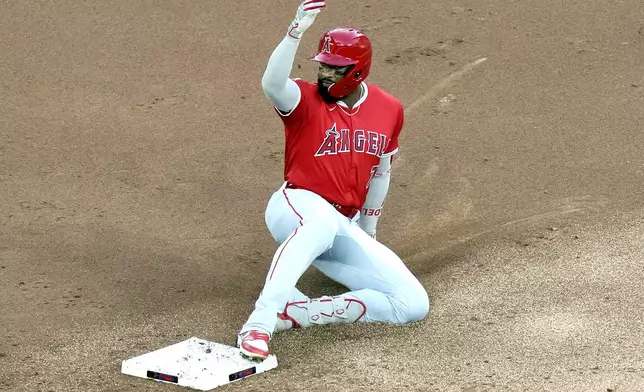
[[333, 59]]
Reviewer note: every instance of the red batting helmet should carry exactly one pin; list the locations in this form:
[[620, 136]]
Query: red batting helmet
[[341, 47]]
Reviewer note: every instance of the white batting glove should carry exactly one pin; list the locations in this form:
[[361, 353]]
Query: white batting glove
[[305, 16]]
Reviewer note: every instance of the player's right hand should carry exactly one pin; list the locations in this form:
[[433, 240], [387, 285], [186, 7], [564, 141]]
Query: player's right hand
[[305, 16]]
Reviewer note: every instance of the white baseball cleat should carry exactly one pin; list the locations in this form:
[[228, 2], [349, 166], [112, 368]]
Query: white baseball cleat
[[284, 321], [254, 345], [325, 310]]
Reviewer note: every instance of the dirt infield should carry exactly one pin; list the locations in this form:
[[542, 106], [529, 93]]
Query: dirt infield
[[137, 153]]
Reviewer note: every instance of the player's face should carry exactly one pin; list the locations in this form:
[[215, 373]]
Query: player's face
[[328, 75]]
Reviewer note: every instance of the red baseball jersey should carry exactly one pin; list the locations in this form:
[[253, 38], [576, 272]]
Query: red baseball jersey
[[334, 151]]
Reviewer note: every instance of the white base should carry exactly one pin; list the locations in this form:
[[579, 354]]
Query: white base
[[197, 364]]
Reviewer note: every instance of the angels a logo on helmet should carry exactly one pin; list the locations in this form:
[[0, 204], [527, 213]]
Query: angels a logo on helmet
[[326, 48]]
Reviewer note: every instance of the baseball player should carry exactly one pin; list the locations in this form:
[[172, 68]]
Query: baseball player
[[340, 135]]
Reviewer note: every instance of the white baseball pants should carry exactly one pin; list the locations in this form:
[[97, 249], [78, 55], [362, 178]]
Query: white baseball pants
[[310, 231]]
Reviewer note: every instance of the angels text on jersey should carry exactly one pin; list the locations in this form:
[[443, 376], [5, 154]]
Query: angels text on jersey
[[345, 140]]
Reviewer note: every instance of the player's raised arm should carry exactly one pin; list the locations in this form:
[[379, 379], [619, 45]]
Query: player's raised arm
[[283, 92]]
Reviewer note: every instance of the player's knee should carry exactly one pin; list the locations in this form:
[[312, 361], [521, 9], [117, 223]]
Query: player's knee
[[415, 304]]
